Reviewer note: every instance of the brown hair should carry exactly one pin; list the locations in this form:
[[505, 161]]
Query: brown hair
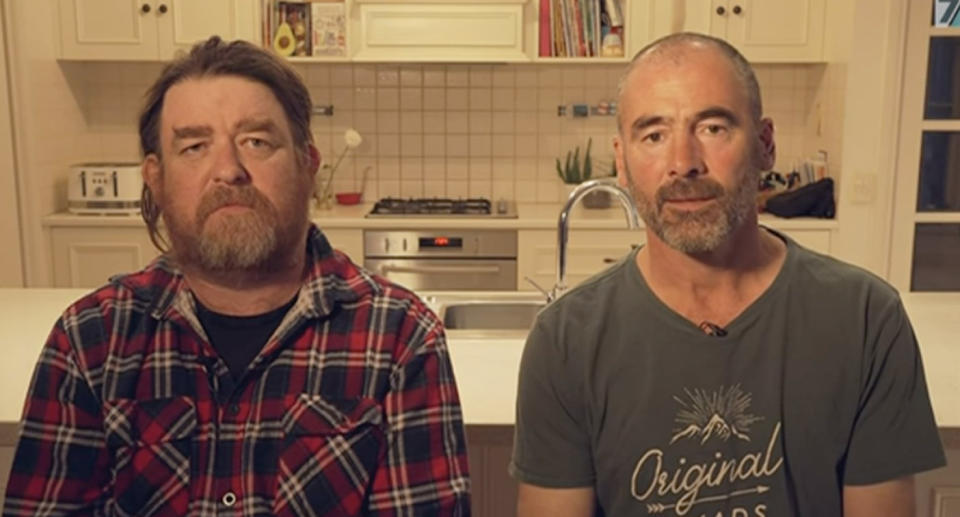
[[215, 57]]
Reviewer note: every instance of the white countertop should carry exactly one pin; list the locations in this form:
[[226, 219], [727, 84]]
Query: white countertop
[[529, 216], [486, 364]]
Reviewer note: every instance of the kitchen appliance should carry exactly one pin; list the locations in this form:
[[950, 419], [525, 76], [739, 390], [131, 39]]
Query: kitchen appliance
[[105, 188], [443, 207], [463, 259]]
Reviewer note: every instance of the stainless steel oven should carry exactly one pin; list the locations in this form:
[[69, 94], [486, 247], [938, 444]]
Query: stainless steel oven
[[454, 259]]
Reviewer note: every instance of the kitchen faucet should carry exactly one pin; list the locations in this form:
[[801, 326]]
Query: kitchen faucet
[[633, 221]]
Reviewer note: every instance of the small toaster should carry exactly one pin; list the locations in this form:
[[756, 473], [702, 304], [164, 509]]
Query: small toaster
[[105, 188]]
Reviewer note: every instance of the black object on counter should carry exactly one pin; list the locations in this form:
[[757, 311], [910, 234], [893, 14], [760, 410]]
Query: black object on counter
[[811, 200]]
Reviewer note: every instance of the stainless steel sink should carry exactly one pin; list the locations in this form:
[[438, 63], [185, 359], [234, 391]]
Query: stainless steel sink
[[489, 311], [491, 315]]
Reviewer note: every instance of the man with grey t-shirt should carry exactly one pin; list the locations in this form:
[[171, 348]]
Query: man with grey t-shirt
[[721, 370]]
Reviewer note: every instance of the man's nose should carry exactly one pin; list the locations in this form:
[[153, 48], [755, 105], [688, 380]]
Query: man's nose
[[687, 156], [228, 166]]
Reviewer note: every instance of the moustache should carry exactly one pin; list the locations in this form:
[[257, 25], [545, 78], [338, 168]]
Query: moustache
[[689, 189], [223, 196]]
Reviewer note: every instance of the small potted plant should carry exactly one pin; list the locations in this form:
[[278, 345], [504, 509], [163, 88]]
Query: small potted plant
[[572, 172]]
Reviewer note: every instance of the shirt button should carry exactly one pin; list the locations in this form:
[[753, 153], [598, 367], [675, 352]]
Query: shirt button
[[229, 499], [234, 409]]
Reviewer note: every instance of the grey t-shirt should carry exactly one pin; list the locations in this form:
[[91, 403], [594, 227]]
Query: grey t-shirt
[[816, 385]]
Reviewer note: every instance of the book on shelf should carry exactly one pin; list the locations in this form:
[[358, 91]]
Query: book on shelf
[[578, 28], [303, 28], [329, 28]]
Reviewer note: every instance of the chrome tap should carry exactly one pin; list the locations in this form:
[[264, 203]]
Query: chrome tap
[[626, 200]]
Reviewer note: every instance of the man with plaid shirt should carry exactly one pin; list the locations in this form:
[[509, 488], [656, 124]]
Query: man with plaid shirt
[[251, 369]]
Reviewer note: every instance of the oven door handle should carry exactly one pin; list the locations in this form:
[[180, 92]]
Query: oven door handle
[[449, 270]]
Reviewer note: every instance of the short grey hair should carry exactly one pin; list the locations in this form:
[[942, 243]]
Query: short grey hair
[[679, 43]]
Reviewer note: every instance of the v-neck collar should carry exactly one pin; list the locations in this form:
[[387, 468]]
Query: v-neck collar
[[742, 321]]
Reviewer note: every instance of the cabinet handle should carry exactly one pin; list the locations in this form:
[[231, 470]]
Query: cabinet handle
[[145, 8], [721, 11], [737, 9], [162, 8]]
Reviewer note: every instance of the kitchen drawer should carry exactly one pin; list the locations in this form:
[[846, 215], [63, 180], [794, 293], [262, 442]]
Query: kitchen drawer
[[347, 240], [440, 31], [588, 253]]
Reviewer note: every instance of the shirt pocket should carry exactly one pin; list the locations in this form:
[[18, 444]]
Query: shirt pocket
[[329, 452], [151, 442]]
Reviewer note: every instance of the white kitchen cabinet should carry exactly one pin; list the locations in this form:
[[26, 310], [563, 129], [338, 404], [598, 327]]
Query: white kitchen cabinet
[[445, 31], [778, 31], [588, 253], [347, 240], [149, 30], [86, 256]]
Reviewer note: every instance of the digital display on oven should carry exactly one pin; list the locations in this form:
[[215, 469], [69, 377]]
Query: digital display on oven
[[441, 242]]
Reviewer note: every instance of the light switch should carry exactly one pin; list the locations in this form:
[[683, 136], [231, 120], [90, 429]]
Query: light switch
[[864, 189]]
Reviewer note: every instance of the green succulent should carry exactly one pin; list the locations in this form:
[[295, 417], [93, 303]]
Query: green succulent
[[572, 171]]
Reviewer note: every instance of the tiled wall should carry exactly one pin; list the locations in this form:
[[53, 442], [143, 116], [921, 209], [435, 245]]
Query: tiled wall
[[468, 130]]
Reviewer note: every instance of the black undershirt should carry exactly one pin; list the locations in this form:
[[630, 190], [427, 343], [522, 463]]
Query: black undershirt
[[238, 339]]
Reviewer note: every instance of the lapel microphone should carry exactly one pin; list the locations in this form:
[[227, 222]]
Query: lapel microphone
[[712, 329]]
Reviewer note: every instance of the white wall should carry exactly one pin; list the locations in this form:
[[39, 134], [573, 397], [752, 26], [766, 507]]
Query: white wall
[[11, 266], [870, 133], [50, 129]]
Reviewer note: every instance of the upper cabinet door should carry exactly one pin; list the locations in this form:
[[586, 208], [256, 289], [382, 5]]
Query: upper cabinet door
[[108, 29], [444, 31], [703, 16], [777, 30], [186, 22]]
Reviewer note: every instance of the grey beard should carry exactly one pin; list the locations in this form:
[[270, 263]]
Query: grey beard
[[700, 231], [245, 242]]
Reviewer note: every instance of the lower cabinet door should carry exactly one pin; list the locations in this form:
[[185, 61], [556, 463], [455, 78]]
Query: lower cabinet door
[[588, 253], [88, 256]]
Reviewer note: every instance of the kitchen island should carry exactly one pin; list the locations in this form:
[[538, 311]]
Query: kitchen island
[[486, 365]]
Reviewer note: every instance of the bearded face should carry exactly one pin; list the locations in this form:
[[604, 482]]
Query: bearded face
[[699, 230], [232, 187], [232, 228]]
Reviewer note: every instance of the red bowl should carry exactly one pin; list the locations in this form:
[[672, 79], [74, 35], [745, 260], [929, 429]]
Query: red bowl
[[348, 198]]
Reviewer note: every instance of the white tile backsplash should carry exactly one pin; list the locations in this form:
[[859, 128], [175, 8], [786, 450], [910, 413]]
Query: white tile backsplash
[[459, 130]]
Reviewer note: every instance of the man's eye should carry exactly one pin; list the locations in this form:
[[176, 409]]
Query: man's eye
[[192, 149], [257, 143], [714, 129], [654, 137]]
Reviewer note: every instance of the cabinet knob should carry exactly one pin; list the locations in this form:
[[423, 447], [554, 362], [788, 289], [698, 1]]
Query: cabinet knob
[[145, 8], [737, 9], [721, 11], [162, 8]]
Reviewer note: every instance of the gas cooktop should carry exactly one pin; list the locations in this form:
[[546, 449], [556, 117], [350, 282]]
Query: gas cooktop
[[443, 207]]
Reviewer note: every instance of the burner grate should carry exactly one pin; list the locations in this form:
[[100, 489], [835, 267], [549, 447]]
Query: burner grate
[[442, 206]]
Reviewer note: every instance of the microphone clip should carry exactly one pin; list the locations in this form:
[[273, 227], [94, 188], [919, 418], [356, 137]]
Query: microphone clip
[[712, 329]]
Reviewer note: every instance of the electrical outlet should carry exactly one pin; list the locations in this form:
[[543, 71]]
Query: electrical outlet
[[864, 189]]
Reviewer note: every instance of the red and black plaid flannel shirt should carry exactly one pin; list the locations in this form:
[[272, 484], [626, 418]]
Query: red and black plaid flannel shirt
[[350, 408]]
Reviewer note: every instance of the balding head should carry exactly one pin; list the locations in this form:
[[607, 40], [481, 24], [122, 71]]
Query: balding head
[[675, 47]]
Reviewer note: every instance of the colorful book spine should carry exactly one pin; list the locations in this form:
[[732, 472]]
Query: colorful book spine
[[545, 29]]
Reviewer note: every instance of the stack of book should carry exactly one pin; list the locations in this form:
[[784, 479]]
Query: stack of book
[[581, 28], [303, 28]]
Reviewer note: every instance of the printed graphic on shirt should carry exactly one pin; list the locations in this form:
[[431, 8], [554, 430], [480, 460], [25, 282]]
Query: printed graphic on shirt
[[716, 483]]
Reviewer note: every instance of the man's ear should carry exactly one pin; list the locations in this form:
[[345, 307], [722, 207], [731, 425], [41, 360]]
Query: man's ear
[[767, 146], [313, 160], [152, 172]]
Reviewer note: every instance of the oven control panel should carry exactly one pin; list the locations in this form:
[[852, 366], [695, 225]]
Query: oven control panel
[[440, 243]]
